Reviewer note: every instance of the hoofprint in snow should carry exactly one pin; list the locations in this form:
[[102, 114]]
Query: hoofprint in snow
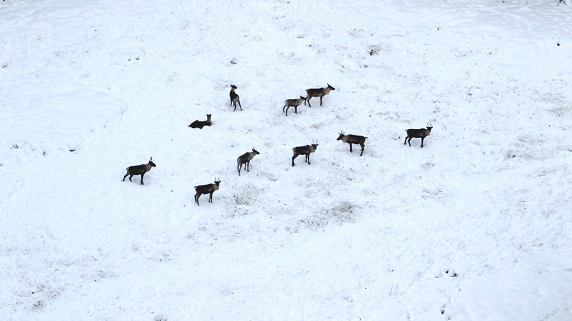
[[473, 226]]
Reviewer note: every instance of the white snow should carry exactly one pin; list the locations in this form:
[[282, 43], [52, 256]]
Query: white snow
[[474, 226]]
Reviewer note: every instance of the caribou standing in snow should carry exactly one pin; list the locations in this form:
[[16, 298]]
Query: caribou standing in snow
[[234, 98], [244, 159], [418, 133], [207, 189], [317, 92], [293, 103], [304, 150], [139, 170], [353, 139]]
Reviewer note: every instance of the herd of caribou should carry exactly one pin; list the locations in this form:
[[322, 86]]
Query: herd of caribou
[[297, 151]]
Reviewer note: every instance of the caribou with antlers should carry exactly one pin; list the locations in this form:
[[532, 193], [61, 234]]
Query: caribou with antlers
[[304, 150], [139, 170], [317, 92], [207, 189], [353, 139]]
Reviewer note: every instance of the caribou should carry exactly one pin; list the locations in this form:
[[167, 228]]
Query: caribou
[[353, 139], [139, 170], [244, 159], [234, 98], [418, 133], [207, 189], [304, 150], [317, 92]]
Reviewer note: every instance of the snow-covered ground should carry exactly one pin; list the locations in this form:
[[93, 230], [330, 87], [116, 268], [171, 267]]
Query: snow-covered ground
[[474, 226]]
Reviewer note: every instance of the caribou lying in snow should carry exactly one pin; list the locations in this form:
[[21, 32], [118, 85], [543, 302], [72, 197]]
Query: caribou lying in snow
[[201, 123]]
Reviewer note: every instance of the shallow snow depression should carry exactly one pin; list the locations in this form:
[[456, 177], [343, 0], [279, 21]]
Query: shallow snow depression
[[473, 226]]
